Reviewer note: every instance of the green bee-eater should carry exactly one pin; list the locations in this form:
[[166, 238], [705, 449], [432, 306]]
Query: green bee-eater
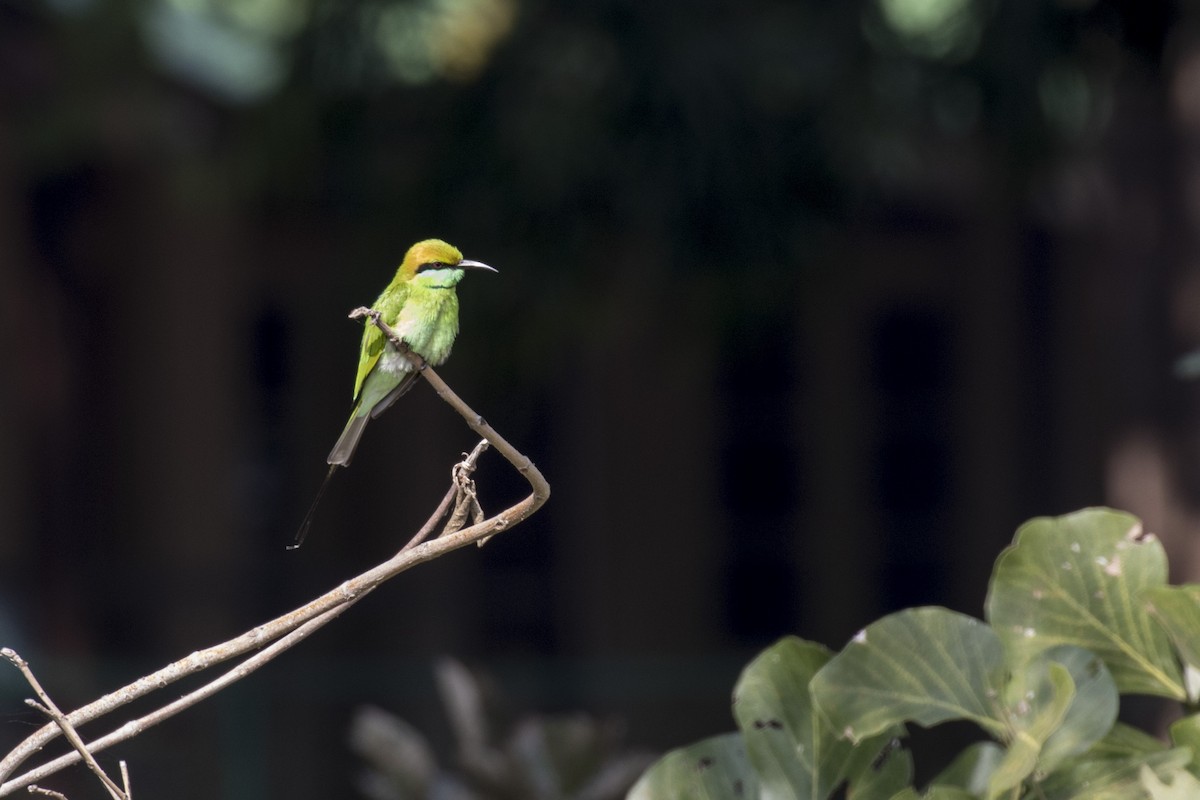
[[421, 306]]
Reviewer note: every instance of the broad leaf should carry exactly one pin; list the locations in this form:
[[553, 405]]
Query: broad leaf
[[1126, 741], [794, 750], [712, 769], [927, 665], [890, 771], [1177, 609], [1057, 706], [972, 768], [1092, 713], [1036, 707], [1090, 778], [1186, 733], [1078, 580]]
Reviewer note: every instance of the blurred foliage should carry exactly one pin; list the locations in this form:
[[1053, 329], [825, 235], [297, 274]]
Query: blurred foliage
[[568, 757], [1079, 613], [724, 143], [615, 108], [735, 138]]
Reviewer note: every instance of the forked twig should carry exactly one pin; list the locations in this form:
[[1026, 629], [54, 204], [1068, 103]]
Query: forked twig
[[272, 638], [48, 707]]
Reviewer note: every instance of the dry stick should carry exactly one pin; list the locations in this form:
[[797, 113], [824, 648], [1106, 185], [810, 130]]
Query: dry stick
[[136, 726], [196, 662], [80, 748], [297, 621], [52, 711], [293, 626]]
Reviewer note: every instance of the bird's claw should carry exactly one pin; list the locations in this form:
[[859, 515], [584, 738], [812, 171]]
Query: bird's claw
[[363, 311]]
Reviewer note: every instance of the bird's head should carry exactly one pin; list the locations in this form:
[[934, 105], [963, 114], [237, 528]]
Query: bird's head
[[436, 263]]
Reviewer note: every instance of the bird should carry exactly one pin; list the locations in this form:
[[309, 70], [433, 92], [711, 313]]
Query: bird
[[421, 306]]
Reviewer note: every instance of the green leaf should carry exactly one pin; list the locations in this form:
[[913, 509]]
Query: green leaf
[[1177, 609], [889, 772], [712, 769], [1037, 706], [972, 768], [1078, 579], [1183, 786], [946, 793], [794, 750], [1126, 741], [1091, 778], [1092, 713], [935, 793], [1058, 706], [928, 665], [1186, 733]]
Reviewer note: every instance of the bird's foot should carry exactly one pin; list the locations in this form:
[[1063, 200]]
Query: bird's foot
[[363, 311]]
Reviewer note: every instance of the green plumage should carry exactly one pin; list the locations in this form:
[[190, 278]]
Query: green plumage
[[421, 306]]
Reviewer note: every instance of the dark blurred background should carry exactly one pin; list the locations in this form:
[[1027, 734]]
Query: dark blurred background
[[802, 308]]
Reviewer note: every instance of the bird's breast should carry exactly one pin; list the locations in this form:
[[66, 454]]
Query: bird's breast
[[429, 322]]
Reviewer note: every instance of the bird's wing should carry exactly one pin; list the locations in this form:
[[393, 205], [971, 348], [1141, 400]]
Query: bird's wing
[[372, 348], [391, 397]]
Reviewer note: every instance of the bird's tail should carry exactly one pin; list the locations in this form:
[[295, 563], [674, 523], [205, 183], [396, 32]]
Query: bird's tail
[[312, 509], [347, 443], [339, 456]]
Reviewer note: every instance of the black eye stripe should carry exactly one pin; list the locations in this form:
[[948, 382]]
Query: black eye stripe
[[432, 265]]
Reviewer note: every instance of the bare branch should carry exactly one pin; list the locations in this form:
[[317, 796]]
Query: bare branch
[[283, 632], [51, 710]]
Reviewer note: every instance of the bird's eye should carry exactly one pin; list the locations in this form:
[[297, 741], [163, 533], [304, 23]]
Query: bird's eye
[[431, 265]]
